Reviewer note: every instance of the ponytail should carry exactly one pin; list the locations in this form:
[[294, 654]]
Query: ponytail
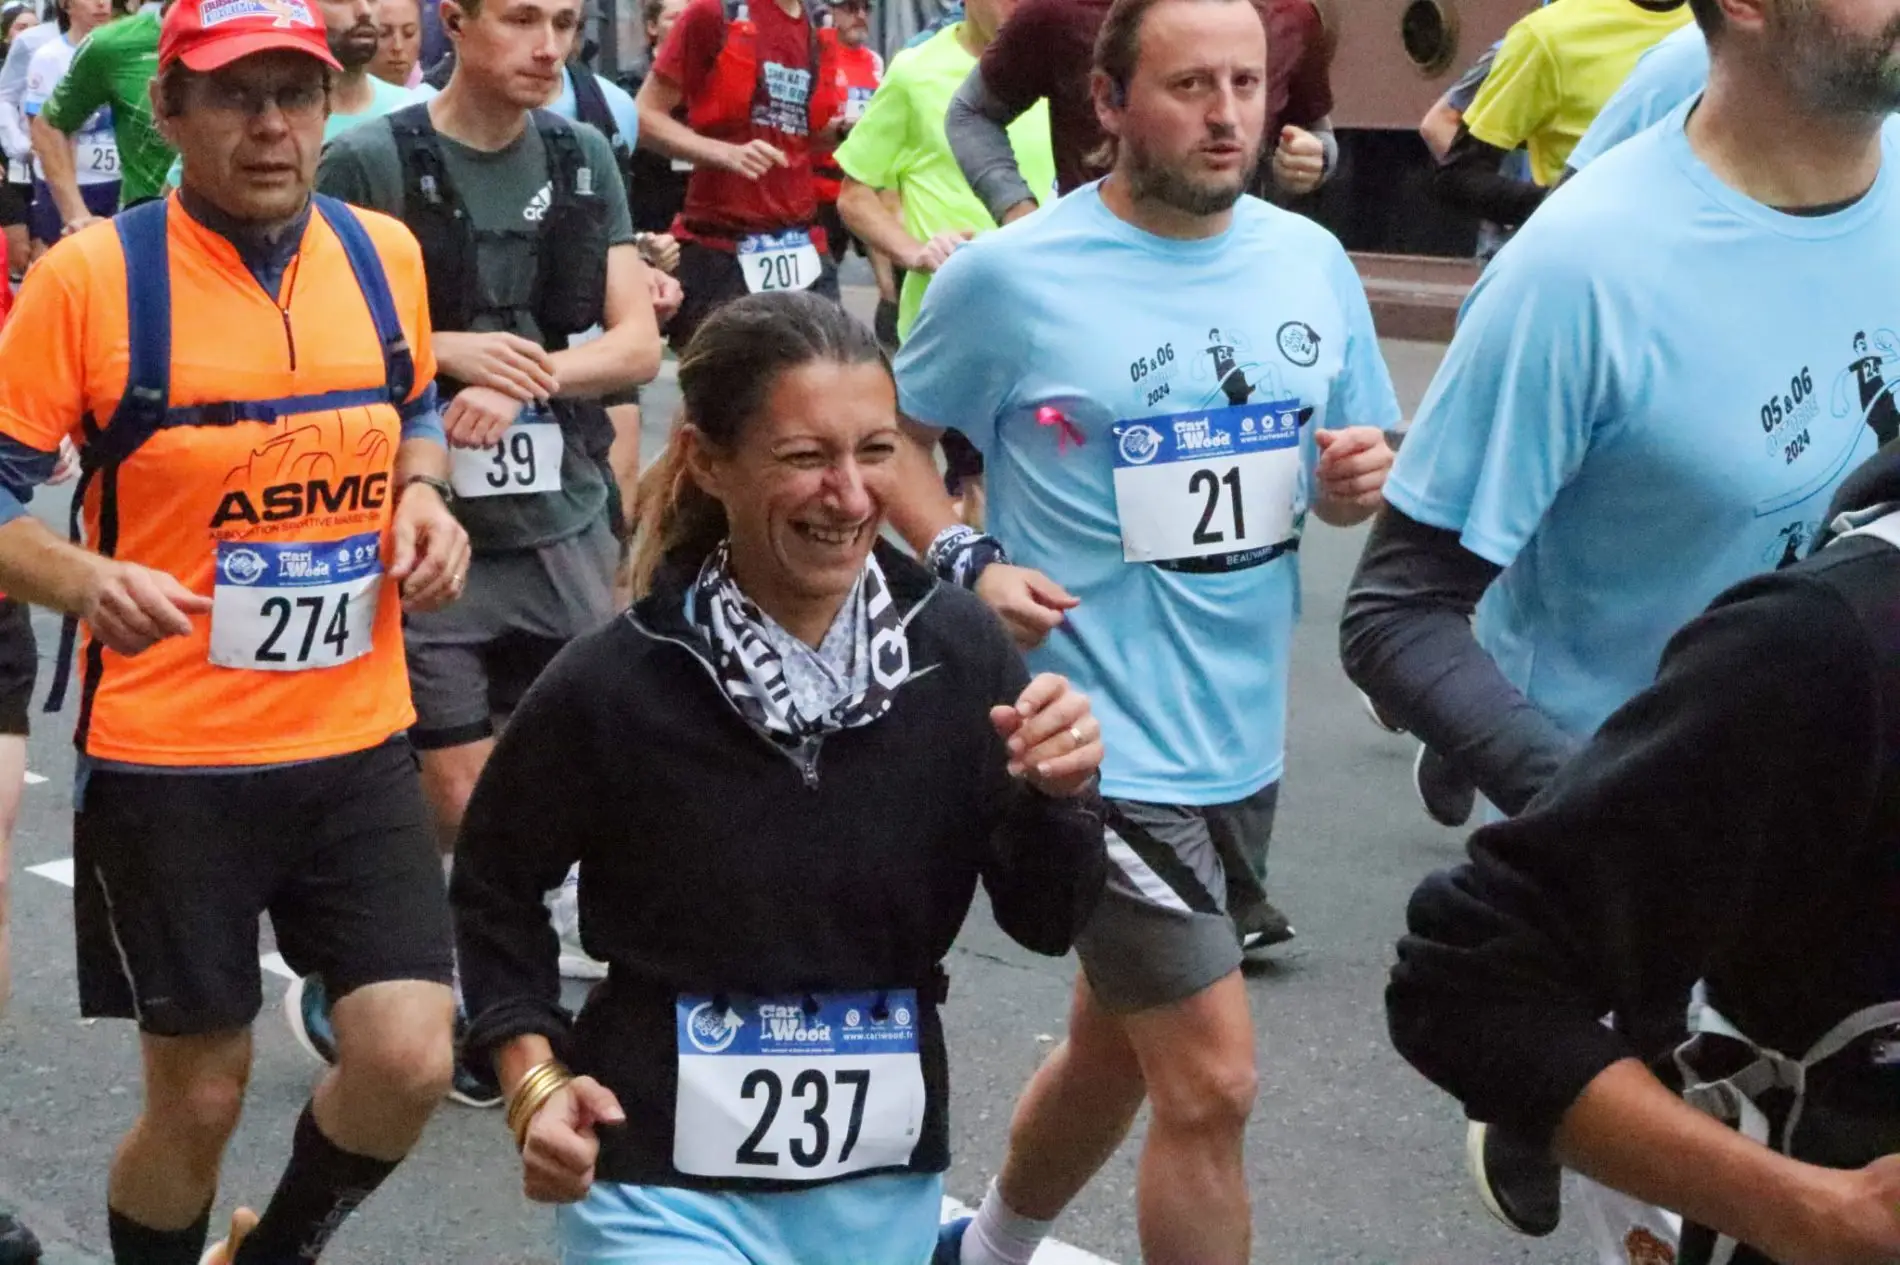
[[677, 520]]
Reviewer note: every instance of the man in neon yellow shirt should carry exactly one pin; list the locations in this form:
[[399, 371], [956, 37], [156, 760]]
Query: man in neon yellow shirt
[[899, 146], [1555, 70]]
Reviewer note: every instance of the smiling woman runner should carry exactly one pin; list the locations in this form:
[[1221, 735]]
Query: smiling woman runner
[[768, 1033]]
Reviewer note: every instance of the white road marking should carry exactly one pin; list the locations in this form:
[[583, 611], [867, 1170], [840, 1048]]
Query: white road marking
[[1050, 1253], [275, 964], [34, 779], [60, 872]]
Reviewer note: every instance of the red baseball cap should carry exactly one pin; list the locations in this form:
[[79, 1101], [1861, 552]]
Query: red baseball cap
[[208, 34]]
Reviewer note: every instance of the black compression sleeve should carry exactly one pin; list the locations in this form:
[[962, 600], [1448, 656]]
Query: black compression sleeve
[[1405, 639], [1470, 180]]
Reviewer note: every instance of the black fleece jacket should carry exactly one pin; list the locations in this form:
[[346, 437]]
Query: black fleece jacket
[[1735, 823], [713, 862]]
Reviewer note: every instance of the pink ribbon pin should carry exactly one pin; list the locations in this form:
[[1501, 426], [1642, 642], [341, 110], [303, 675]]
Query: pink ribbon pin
[[1066, 430]]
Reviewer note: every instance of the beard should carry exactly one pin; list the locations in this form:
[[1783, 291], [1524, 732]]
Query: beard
[[356, 47], [1151, 179], [1833, 70]]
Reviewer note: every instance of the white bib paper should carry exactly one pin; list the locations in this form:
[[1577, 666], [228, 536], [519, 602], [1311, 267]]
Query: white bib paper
[[528, 459], [97, 154], [1219, 484], [294, 607], [779, 261], [769, 1089]]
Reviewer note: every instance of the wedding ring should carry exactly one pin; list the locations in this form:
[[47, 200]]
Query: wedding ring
[[1076, 734]]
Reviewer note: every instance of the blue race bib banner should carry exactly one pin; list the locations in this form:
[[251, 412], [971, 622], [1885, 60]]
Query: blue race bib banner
[[775, 1088], [294, 607], [1212, 484]]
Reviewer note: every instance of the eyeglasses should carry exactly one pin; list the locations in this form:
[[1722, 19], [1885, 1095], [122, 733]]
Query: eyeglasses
[[297, 102]]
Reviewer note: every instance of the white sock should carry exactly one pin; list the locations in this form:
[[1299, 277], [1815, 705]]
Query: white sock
[[999, 1236]]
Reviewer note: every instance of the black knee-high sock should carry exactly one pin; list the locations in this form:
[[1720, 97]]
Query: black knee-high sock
[[135, 1244], [321, 1186]]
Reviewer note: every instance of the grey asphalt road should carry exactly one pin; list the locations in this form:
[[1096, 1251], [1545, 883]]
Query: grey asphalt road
[[1353, 1158]]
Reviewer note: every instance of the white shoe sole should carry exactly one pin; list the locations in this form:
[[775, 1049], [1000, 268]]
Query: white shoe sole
[[293, 1016], [580, 966], [1474, 1167]]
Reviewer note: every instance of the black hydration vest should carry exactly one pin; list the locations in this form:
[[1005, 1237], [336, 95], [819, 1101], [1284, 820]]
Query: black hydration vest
[[590, 104], [569, 246]]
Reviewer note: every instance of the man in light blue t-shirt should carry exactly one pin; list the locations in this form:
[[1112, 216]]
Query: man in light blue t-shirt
[[1165, 378], [1652, 395], [1668, 74]]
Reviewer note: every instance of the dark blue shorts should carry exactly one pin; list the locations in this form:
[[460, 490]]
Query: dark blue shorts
[[42, 218]]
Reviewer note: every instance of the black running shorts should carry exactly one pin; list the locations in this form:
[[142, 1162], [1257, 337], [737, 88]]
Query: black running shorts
[[19, 666], [713, 278], [174, 870]]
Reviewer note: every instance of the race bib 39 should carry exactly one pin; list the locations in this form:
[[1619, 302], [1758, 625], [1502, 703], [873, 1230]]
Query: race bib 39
[[527, 459]]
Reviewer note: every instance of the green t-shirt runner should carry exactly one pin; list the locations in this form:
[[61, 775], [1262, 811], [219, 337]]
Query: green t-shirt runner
[[899, 144], [114, 67]]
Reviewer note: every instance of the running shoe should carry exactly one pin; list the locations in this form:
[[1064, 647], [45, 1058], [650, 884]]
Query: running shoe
[[473, 1086], [1448, 797], [564, 908], [1520, 1185], [17, 1244], [225, 1251], [950, 1242], [307, 1009], [1379, 718], [1263, 927], [575, 964]]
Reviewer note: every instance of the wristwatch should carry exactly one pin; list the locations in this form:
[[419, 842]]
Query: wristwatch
[[443, 488]]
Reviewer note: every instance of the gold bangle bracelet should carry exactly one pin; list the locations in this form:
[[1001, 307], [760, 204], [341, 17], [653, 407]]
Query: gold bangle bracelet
[[531, 1106], [538, 1078], [532, 1093]]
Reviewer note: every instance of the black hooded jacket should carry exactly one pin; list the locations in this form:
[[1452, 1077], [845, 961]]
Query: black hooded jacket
[[1737, 823], [715, 861]]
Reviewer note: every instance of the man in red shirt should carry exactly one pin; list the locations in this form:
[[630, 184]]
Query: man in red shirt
[[749, 77], [1045, 51], [855, 70]]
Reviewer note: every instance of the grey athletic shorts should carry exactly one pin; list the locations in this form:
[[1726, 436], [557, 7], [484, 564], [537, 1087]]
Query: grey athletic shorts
[[474, 659], [1161, 933]]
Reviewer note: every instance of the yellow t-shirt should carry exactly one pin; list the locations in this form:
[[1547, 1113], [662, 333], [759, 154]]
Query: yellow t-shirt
[[1556, 69]]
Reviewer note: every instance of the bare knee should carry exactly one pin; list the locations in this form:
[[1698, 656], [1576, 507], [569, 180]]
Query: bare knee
[[1210, 1095], [1198, 1058], [199, 1115], [449, 775], [405, 1069], [395, 1044]]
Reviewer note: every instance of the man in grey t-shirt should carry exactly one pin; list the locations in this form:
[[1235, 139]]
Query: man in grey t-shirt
[[527, 240]]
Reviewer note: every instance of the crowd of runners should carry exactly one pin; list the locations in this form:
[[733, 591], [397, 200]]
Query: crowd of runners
[[339, 313]]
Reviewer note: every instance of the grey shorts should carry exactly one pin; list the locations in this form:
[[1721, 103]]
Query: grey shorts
[[1162, 933], [473, 660]]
